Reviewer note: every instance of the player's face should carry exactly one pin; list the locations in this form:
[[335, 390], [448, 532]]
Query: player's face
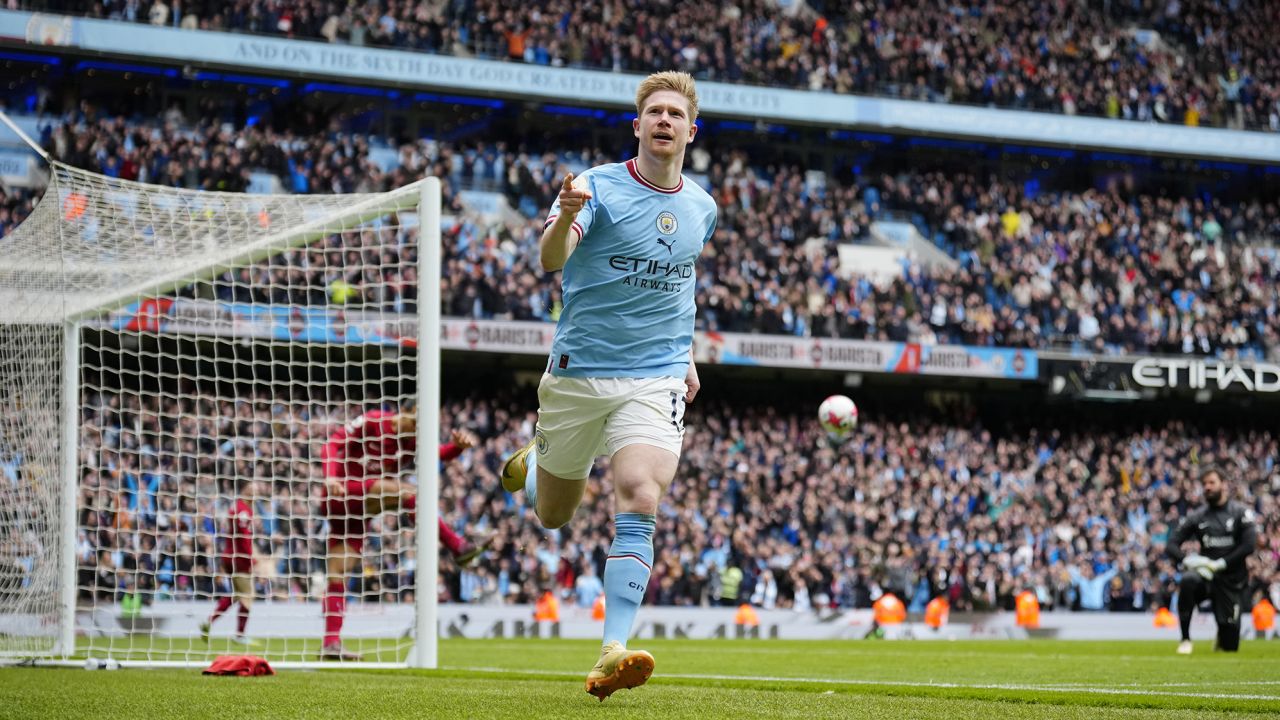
[[1214, 489], [664, 127]]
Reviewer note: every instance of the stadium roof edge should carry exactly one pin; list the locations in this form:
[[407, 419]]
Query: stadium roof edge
[[566, 86]]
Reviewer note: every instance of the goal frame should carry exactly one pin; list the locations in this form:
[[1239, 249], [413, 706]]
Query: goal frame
[[424, 196]]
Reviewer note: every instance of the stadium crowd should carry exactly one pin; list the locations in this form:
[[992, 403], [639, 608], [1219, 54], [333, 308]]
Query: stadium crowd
[[1100, 270], [920, 506], [1193, 62], [917, 504], [766, 509], [15, 206]]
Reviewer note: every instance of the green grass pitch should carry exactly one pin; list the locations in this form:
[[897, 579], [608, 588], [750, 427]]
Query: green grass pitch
[[699, 679]]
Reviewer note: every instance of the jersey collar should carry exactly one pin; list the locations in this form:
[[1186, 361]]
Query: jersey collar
[[634, 169]]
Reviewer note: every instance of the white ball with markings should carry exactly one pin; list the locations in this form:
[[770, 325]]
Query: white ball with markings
[[838, 415]]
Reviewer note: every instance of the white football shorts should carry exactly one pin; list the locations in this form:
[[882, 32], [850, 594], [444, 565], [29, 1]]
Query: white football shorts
[[580, 419]]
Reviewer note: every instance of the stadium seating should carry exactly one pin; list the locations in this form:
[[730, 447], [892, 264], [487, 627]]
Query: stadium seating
[[965, 508], [1091, 270], [1194, 62], [917, 505]]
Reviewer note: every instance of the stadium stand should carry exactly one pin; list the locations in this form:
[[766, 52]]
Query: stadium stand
[[1192, 62], [15, 205], [945, 503], [1097, 269], [920, 503]]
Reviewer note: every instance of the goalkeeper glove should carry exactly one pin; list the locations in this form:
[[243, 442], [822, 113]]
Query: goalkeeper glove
[[1203, 566], [1211, 568], [1194, 561]]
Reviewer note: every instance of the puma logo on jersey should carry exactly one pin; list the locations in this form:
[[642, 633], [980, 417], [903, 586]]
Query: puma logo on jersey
[[668, 244]]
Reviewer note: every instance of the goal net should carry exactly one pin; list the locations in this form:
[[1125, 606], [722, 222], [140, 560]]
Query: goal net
[[173, 364]]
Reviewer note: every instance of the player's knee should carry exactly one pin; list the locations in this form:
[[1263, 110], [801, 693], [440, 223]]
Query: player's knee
[[1190, 582], [554, 518], [336, 575], [642, 502], [637, 494]]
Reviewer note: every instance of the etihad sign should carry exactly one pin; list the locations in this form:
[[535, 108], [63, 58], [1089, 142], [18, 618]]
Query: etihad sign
[[1202, 374]]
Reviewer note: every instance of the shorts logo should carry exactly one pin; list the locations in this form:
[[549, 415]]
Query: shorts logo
[[677, 412], [666, 222], [540, 439]]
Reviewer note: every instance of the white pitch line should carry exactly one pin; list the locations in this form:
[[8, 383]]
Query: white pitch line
[[1204, 683], [880, 651], [900, 683]]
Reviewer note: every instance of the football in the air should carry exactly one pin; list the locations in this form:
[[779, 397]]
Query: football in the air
[[838, 415]]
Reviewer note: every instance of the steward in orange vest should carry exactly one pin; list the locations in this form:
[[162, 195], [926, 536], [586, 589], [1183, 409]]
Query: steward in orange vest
[[547, 609], [1027, 610], [1264, 617], [936, 612], [889, 610]]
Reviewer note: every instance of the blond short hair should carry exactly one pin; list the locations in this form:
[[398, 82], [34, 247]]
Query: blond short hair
[[681, 82]]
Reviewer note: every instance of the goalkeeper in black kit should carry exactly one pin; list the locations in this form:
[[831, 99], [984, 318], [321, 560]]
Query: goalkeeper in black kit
[[1227, 532]]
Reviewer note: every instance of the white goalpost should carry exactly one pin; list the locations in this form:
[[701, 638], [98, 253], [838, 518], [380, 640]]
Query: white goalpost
[[168, 354]]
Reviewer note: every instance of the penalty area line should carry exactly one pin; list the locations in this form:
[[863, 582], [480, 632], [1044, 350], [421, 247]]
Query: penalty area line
[[1078, 689]]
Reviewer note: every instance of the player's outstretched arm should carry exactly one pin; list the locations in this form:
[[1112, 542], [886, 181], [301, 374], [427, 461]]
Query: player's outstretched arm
[[462, 440], [560, 237]]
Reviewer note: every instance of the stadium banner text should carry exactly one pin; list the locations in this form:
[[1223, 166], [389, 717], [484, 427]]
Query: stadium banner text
[[599, 88], [864, 356], [1140, 378], [181, 619], [351, 326], [16, 168]]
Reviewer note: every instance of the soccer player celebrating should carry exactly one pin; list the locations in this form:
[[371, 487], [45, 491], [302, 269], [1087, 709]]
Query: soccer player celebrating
[[621, 369], [235, 560], [1227, 532], [362, 461]]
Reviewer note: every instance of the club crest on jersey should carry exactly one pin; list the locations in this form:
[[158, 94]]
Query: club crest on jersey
[[666, 222]]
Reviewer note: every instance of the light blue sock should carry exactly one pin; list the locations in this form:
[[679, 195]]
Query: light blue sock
[[531, 479], [626, 573]]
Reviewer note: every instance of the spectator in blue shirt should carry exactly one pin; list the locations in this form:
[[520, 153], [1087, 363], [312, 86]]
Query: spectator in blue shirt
[[587, 587], [1091, 586]]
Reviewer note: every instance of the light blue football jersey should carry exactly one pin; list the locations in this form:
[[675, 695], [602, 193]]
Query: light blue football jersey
[[629, 286]]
